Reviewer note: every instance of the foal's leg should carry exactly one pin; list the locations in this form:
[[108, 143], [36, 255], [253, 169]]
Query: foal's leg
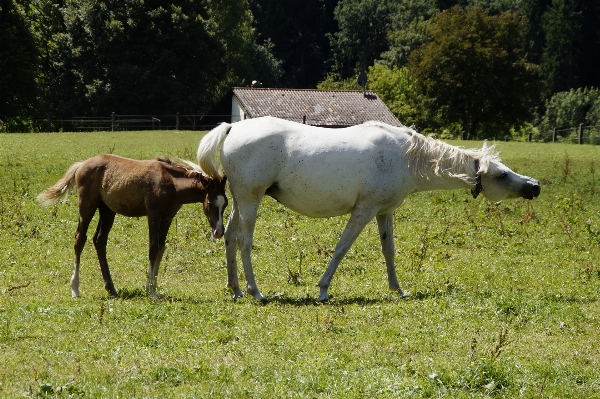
[[231, 232], [358, 220], [105, 223], [385, 223], [85, 217], [157, 230]]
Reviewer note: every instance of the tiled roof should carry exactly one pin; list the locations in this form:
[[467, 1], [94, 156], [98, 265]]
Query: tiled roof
[[319, 107]]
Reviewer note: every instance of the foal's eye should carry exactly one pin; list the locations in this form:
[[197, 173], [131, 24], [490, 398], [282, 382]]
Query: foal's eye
[[503, 175]]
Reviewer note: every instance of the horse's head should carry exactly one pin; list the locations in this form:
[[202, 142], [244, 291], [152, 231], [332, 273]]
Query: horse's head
[[497, 182], [215, 203]]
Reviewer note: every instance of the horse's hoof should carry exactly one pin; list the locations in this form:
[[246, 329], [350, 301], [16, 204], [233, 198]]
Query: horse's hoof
[[260, 298], [322, 299], [237, 293], [402, 293], [74, 294]]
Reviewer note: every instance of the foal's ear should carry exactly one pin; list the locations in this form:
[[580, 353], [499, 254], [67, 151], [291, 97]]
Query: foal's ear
[[485, 145], [204, 180]]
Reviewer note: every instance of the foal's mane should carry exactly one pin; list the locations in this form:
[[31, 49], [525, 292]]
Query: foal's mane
[[432, 157], [189, 167]]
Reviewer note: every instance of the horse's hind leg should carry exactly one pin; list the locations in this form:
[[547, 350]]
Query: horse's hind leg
[[385, 223], [157, 230], [357, 222], [85, 217], [231, 232], [105, 223]]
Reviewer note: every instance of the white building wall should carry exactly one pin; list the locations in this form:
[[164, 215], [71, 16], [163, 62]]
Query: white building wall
[[237, 111]]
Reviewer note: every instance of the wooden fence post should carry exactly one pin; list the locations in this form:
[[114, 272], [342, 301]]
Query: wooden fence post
[[554, 135], [580, 141], [529, 136], [112, 122]]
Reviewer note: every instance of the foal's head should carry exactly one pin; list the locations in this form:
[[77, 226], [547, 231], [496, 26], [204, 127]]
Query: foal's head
[[215, 203]]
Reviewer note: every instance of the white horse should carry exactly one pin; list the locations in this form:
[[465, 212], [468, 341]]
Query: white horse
[[365, 170]]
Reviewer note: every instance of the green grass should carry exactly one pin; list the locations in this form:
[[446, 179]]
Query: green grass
[[504, 297]]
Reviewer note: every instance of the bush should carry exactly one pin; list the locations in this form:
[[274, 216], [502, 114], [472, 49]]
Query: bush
[[570, 108]]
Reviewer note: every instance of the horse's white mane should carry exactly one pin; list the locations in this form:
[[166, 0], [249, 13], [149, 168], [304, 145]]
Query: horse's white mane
[[435, 157]]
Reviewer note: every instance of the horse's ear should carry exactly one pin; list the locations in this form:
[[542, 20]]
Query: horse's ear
[[485, 145]]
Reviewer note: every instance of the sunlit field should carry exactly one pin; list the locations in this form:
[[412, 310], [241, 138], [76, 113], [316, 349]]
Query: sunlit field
[[503, 297]]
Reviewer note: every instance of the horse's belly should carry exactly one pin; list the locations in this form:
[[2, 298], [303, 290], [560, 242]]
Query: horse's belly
[[316, 200]]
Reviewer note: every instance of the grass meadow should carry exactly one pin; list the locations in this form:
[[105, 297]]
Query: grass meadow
[[504, 297]]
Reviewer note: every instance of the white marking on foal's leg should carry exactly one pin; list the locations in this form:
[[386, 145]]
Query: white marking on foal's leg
[[75, 281]]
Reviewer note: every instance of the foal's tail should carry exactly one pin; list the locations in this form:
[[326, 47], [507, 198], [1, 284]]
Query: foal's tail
[[61, 189], [207, 150]]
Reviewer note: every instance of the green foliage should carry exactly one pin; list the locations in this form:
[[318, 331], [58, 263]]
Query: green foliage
[[18, 63], [473, 71], [571, 108], [562, 24], [503, 302], [295, 33], [397, 89], [394, 86], [361, 37], [135, 57], [410, 21]]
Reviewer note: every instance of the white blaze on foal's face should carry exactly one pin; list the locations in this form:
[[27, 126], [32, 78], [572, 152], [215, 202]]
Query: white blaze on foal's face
[[216, 220]]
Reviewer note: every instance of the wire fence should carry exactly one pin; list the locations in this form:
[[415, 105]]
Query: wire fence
[[574, 135], [114, 122]]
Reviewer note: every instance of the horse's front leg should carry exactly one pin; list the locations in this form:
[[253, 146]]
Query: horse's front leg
[[385, 223], [230, 238], [358, 220], [247, 218]]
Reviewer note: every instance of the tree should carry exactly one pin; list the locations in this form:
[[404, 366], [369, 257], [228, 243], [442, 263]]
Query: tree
[[408, 29], [394, 86], [18, 64], [140, 57], [562, 52], [295, 33], [570, 108], [474, 71], [362, 35]]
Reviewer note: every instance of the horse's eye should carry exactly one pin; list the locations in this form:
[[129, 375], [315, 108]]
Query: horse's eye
[[503, 175]]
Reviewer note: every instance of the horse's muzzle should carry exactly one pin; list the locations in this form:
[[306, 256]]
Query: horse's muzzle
[[532, 190]]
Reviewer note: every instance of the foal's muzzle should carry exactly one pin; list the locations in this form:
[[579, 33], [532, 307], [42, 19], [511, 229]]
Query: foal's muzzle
[[218, 231]]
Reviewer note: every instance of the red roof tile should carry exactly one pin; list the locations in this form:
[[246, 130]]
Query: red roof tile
[[319, 107]]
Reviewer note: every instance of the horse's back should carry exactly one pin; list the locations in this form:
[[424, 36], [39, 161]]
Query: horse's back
[[314, 171]]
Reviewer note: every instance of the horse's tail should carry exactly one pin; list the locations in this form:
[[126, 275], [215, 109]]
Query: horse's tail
[[207, 150], [61, 189]]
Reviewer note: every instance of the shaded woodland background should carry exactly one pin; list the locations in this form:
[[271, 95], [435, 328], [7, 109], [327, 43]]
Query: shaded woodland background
[[480, 68]]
